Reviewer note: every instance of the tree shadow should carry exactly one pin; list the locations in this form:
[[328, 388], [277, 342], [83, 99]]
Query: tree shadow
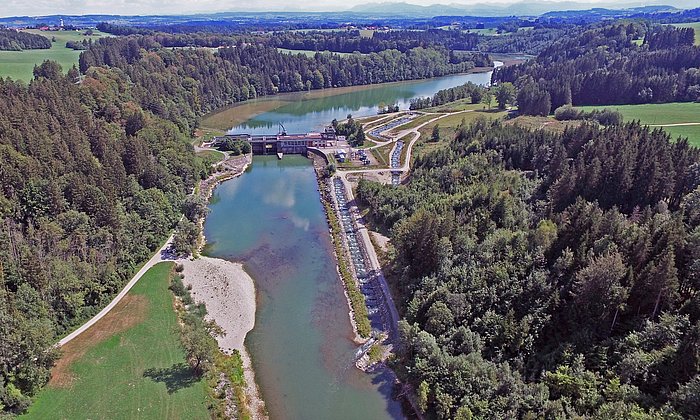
[[175, 377]]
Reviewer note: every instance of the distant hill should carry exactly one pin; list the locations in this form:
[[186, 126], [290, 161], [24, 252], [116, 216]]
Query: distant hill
[[525, 8]]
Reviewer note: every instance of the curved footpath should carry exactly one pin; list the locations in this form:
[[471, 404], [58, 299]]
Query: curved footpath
[[407, 164], [161, 255]]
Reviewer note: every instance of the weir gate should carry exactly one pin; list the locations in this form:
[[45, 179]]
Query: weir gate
[[282, 143]]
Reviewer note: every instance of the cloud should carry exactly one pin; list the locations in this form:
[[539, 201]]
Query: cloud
[[134, 7]]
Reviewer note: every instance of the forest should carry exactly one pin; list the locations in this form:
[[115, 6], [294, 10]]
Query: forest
[[11, 40], [91, 185], [202, 80], [351, 41], [546, 275], [605, 66], [468, 90]]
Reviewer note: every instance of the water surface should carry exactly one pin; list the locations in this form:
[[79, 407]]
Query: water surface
[[302, 116], [272, 220]]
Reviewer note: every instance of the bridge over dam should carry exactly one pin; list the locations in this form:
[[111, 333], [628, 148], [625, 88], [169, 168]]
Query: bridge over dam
[[283, 143]]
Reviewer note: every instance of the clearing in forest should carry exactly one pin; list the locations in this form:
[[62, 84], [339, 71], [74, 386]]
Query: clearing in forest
[[128, 365], [680, 119], [19, 65]]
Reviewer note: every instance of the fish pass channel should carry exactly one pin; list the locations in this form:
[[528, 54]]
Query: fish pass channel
[[271, 219], [375, 300]]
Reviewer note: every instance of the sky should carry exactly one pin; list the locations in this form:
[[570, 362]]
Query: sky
[[134, 7]]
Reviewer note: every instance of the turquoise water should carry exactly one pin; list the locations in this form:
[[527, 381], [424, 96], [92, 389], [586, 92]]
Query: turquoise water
[[303, 116], [271, 219]]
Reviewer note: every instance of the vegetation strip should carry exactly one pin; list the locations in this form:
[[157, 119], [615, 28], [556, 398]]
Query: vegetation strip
[[356, 300]]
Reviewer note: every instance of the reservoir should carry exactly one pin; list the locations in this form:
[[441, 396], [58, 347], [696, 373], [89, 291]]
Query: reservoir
[[272, 220], [299, 115]]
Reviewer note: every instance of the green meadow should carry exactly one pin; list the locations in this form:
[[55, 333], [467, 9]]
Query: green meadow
[[668, 116], [20, 64], [128, 365]]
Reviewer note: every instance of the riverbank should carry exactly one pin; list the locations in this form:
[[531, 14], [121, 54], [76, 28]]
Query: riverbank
[[226, 290], [359, 317], [231, 116], [228, 293]]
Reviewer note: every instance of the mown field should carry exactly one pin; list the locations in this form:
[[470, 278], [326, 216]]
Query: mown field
[[20, 64], [128, 365], [667, 116]]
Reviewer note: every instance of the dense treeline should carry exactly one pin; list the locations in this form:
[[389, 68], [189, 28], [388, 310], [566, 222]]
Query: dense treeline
[[11, 40], [91, 184], [468, 90], [524, 41], [351, 41], [179, 85], [603, 66], [549, 276]]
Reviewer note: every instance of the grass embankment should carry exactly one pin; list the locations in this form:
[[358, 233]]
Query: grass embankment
[[19, 65], [212, 156], [130, 364], [666, 116], [381, 154], [460, 105], [545, 123], [448, 128]]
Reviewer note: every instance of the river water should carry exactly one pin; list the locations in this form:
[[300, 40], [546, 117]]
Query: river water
[[272, 220], [313, 114]]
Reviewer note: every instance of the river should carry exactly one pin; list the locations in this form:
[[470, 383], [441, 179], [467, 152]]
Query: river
[[272, 220], [302, 116]]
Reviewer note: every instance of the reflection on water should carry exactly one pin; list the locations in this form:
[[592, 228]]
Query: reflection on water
[[271, 218], [301, 115]]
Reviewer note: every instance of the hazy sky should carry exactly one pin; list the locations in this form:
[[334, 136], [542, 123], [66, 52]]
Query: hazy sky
[[132, 7]]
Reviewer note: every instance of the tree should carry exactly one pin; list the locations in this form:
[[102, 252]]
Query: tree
[[505, 93], [194, 208], [487, 98], [435, 137], [199, 344], [186, 237]]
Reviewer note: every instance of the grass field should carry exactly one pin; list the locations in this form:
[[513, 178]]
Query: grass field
[[308, 53], [20, 64], [448, 128], [694, 25], [665, 115], [212, 156], [128, 365]]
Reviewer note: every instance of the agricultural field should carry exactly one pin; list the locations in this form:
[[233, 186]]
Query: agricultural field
[[128, 365], [694, 25], [20, 64], [681, 119]]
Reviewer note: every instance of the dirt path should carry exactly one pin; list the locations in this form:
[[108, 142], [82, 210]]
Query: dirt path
[[159, 256], [675, 124]]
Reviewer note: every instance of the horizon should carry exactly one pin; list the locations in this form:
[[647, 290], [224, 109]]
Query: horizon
[[18, 8]]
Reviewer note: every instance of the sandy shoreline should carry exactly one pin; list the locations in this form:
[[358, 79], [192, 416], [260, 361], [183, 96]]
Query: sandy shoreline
[[229, 295]]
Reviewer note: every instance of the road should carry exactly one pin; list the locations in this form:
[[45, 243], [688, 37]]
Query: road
[[407, 163], [159, 256]]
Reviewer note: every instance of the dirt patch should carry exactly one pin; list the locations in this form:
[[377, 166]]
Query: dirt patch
[[130, 311]]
